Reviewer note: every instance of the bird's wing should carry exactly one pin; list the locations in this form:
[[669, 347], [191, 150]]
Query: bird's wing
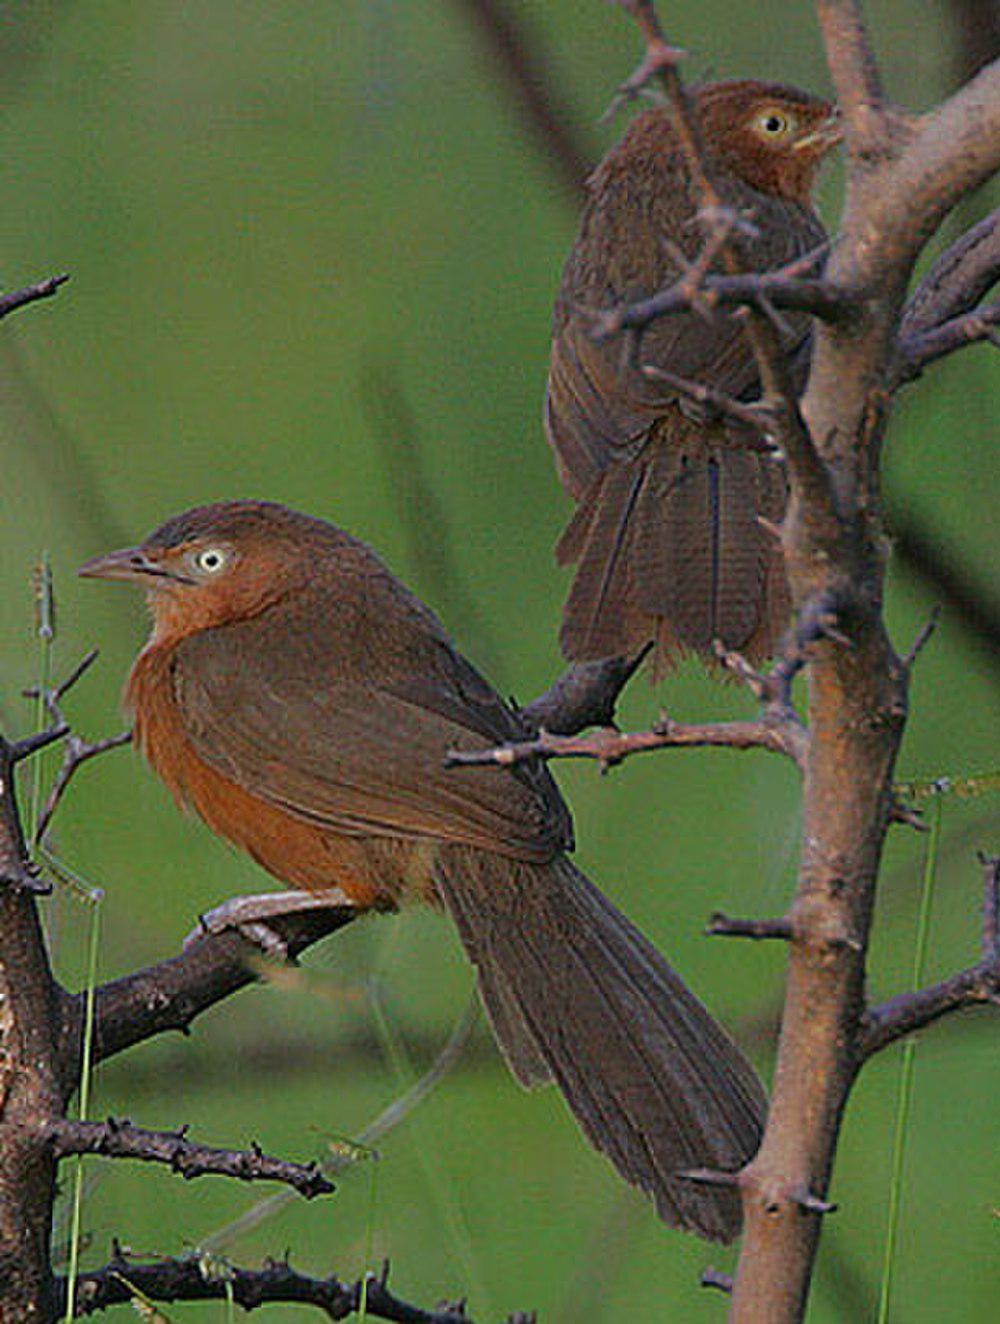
[[361, 749], [599, 403]]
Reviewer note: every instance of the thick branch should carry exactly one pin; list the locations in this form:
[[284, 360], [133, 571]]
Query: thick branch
[[29, 1092], [169, 996], [123, 1281], [116, 1138], [584, 695]]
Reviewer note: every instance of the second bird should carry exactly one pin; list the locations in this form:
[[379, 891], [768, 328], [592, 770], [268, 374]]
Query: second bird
[[667, 537]]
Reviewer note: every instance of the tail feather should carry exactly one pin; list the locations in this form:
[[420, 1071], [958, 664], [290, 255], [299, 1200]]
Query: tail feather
[[669, 545], [576, 994]]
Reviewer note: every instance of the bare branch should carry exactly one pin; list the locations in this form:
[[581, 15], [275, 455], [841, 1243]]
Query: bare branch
[[118, 1138], [852, 65], [978, 985], [917, 352], [960, 278], [196, 1279], [610, 747], [584, 695], [721, 1282], [44, 289], [928, 557], [169, 996], [515, 56], [724, 926], [746, 290]]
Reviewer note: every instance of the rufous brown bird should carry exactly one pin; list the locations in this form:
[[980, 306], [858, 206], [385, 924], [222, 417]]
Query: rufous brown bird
[[302, 701], [667, 537]]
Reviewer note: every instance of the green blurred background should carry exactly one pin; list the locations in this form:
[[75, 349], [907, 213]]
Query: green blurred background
[[313, 253]]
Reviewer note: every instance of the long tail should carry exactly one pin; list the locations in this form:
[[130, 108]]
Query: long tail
[[670, 546], [577, 995]]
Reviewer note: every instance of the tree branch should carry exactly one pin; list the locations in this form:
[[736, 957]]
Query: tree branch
[[778, 289], [584, 695], [192, 1279], [978, 985], [917, 352], [610, 747], [960, 278], [117, 1138], [44, 289], [169, 996], [515, 57]]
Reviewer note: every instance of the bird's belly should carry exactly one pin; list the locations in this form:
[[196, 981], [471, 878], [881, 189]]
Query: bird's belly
[[376, 873]]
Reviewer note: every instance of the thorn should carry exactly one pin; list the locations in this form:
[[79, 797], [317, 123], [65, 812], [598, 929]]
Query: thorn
[[723, 926], [918, 645], [722, 1282], [812, 1203], [709, 1177]]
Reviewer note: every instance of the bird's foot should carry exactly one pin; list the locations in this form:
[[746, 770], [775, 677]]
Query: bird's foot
[[250, 916]]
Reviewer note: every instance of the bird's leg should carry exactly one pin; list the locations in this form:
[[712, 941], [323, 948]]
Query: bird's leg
[[250, 916]]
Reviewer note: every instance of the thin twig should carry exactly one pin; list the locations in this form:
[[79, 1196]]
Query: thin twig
[[745, 290], [77, 751], [44, 289], [118, 1138], [610, 747]]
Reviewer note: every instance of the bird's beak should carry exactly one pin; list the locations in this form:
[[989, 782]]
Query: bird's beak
[[131, 565], [826, 135]]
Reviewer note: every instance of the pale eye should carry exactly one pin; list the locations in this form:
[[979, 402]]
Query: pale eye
[[773, 124], [210, 560]]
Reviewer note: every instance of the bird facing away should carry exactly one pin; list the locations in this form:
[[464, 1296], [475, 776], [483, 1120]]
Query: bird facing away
[[667, 536], [301, 700]]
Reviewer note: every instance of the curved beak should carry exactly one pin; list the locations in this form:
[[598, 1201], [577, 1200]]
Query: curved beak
[[826, 135], [131, 565]]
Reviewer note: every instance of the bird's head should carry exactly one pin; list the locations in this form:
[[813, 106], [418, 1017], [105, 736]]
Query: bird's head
[[774, 138], [218, 564]]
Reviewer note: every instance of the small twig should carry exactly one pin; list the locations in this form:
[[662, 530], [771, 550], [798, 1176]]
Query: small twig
[[923, 638], [718, 403], [78, 751], [44, 289], [975, 986], [20, 750], [715, 1278], [771, 289], [710, 1177], [116, 1138], [724, 926], [192, 1279], [611, 747]]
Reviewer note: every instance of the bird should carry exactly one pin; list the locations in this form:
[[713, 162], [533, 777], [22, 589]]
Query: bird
[[674, 533], [301, 700]]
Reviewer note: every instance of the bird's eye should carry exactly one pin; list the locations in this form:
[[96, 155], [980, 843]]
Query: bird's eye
[[210, 560], [773, 124]]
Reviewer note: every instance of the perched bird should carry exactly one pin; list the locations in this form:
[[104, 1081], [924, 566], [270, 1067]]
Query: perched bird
[[667, 536], [301, 700]]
